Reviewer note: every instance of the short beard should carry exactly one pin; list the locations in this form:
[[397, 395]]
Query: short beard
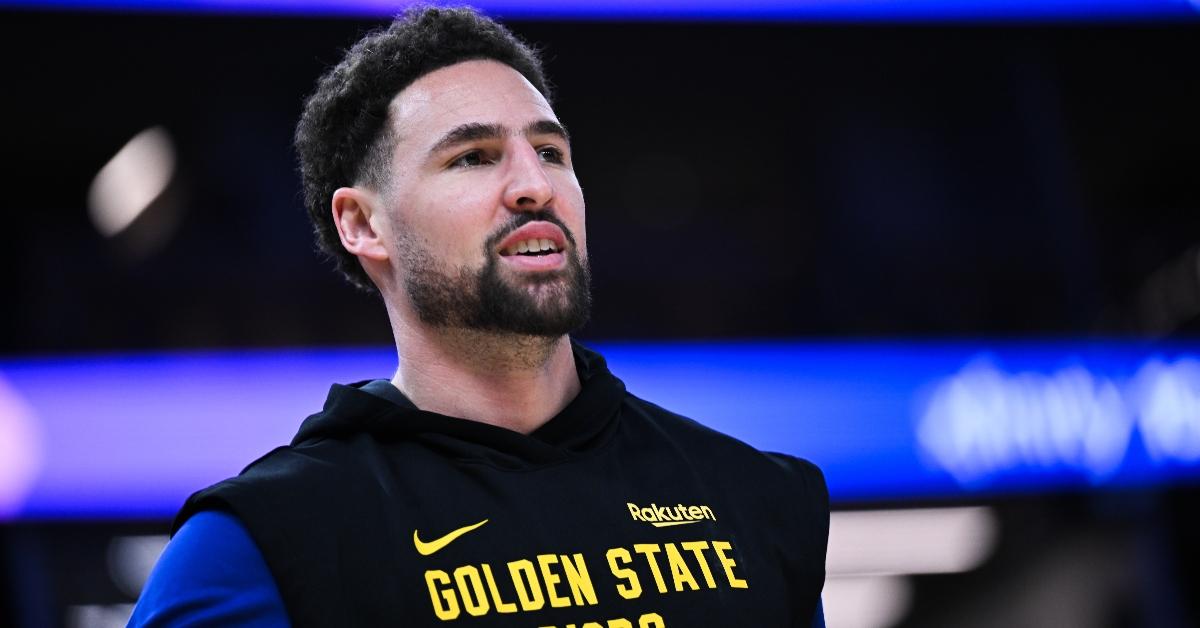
[[547, 305]]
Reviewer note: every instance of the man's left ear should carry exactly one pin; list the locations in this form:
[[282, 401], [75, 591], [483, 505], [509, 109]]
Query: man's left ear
[[352, 211]]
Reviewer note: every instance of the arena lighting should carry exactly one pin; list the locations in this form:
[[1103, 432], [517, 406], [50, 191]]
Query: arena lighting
[[985, 419], [871, 551], [20, 449], [98, 615], [130, 181], [865, 601], [808, 10], [132, 558], [885, 421], [917, 541]]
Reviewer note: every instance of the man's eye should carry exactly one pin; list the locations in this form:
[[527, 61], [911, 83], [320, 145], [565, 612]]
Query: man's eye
[[551, 154], [473, 158]]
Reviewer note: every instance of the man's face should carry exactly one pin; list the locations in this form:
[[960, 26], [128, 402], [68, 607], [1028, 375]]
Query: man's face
[[486, 214]]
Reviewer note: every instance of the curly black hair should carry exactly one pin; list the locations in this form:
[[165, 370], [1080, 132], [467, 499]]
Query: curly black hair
[[343, 138]]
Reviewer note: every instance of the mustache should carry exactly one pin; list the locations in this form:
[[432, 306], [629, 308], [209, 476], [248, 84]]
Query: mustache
[[522, 219]]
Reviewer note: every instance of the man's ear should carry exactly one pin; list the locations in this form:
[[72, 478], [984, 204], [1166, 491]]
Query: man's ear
[[352, 212]]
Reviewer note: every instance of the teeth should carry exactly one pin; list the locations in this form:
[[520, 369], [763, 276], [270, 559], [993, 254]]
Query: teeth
[[531, 246]]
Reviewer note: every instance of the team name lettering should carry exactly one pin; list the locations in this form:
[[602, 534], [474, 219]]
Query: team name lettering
[[564, 580], [558, 580], [649, 620]]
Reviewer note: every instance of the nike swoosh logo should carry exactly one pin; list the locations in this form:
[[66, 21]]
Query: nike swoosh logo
[[426, 549]]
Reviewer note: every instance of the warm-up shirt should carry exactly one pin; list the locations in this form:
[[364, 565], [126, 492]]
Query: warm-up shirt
[[211, 574], [614, 514]]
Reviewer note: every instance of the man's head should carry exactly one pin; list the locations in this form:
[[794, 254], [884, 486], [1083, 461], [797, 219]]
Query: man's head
[[436, 145]]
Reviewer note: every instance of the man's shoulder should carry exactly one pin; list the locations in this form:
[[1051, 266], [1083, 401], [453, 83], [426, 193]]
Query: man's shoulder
[[284, 465], [211, 573], [729, 454], [311, 472], [770, 490]]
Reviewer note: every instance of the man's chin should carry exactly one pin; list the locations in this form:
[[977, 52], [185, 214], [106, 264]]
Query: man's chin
[[543, 309], [501, 300], [518, 279]]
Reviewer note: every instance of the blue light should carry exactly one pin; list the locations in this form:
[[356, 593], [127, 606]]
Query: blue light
[[132, 436], [801, 10]]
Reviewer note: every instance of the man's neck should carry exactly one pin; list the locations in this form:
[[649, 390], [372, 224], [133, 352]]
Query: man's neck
[[511, 381]]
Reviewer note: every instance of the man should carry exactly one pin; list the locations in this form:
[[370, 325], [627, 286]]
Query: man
[[503, 477]]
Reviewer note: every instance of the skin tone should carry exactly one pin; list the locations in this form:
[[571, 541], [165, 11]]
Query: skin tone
[[448, 191]]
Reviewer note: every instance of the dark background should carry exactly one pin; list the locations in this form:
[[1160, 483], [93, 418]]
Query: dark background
[[743, 181]]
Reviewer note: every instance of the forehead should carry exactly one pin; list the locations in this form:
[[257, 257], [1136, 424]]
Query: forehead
[[481, 91]]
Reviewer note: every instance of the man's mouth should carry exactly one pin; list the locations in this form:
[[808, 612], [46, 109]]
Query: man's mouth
[[538, 245], [533, 247]]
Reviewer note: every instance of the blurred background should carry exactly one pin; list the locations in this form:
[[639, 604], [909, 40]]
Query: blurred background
[[948, 250]]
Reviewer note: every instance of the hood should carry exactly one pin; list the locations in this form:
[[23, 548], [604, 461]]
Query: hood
[[378, 409]]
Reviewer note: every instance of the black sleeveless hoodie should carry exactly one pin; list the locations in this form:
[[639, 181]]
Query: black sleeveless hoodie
[[614, 514]]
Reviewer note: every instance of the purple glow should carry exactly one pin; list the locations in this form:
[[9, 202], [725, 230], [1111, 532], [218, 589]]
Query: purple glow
[[20, 450], [133, 436], [804, 10]]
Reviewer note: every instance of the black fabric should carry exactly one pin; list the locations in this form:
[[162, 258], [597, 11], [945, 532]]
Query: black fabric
[[571, 512], [384, 388]]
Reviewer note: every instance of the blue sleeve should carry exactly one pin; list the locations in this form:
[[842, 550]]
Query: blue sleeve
[[211, 574], [819, 616]]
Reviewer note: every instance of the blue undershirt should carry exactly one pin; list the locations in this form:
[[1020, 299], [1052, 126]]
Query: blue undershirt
[[211, 574]]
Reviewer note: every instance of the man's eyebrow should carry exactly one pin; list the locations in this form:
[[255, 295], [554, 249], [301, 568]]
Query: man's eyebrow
[[476, 131], [548, 127], [470, 132]]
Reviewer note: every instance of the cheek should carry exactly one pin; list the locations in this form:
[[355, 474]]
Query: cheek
[[460, 223], [572, 212]]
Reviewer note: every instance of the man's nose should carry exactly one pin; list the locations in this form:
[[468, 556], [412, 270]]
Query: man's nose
[[528, 188]]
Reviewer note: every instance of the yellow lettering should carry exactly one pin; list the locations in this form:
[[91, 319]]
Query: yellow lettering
[[468, 581], [680, 575], [651, 620], [728, 563], [577, 576], [708, 514], [501, 605], [445, 604], [697, 548], [649, 550], [551, 579], [694, 512], [529, 594], [631, 590], [635, 512]]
